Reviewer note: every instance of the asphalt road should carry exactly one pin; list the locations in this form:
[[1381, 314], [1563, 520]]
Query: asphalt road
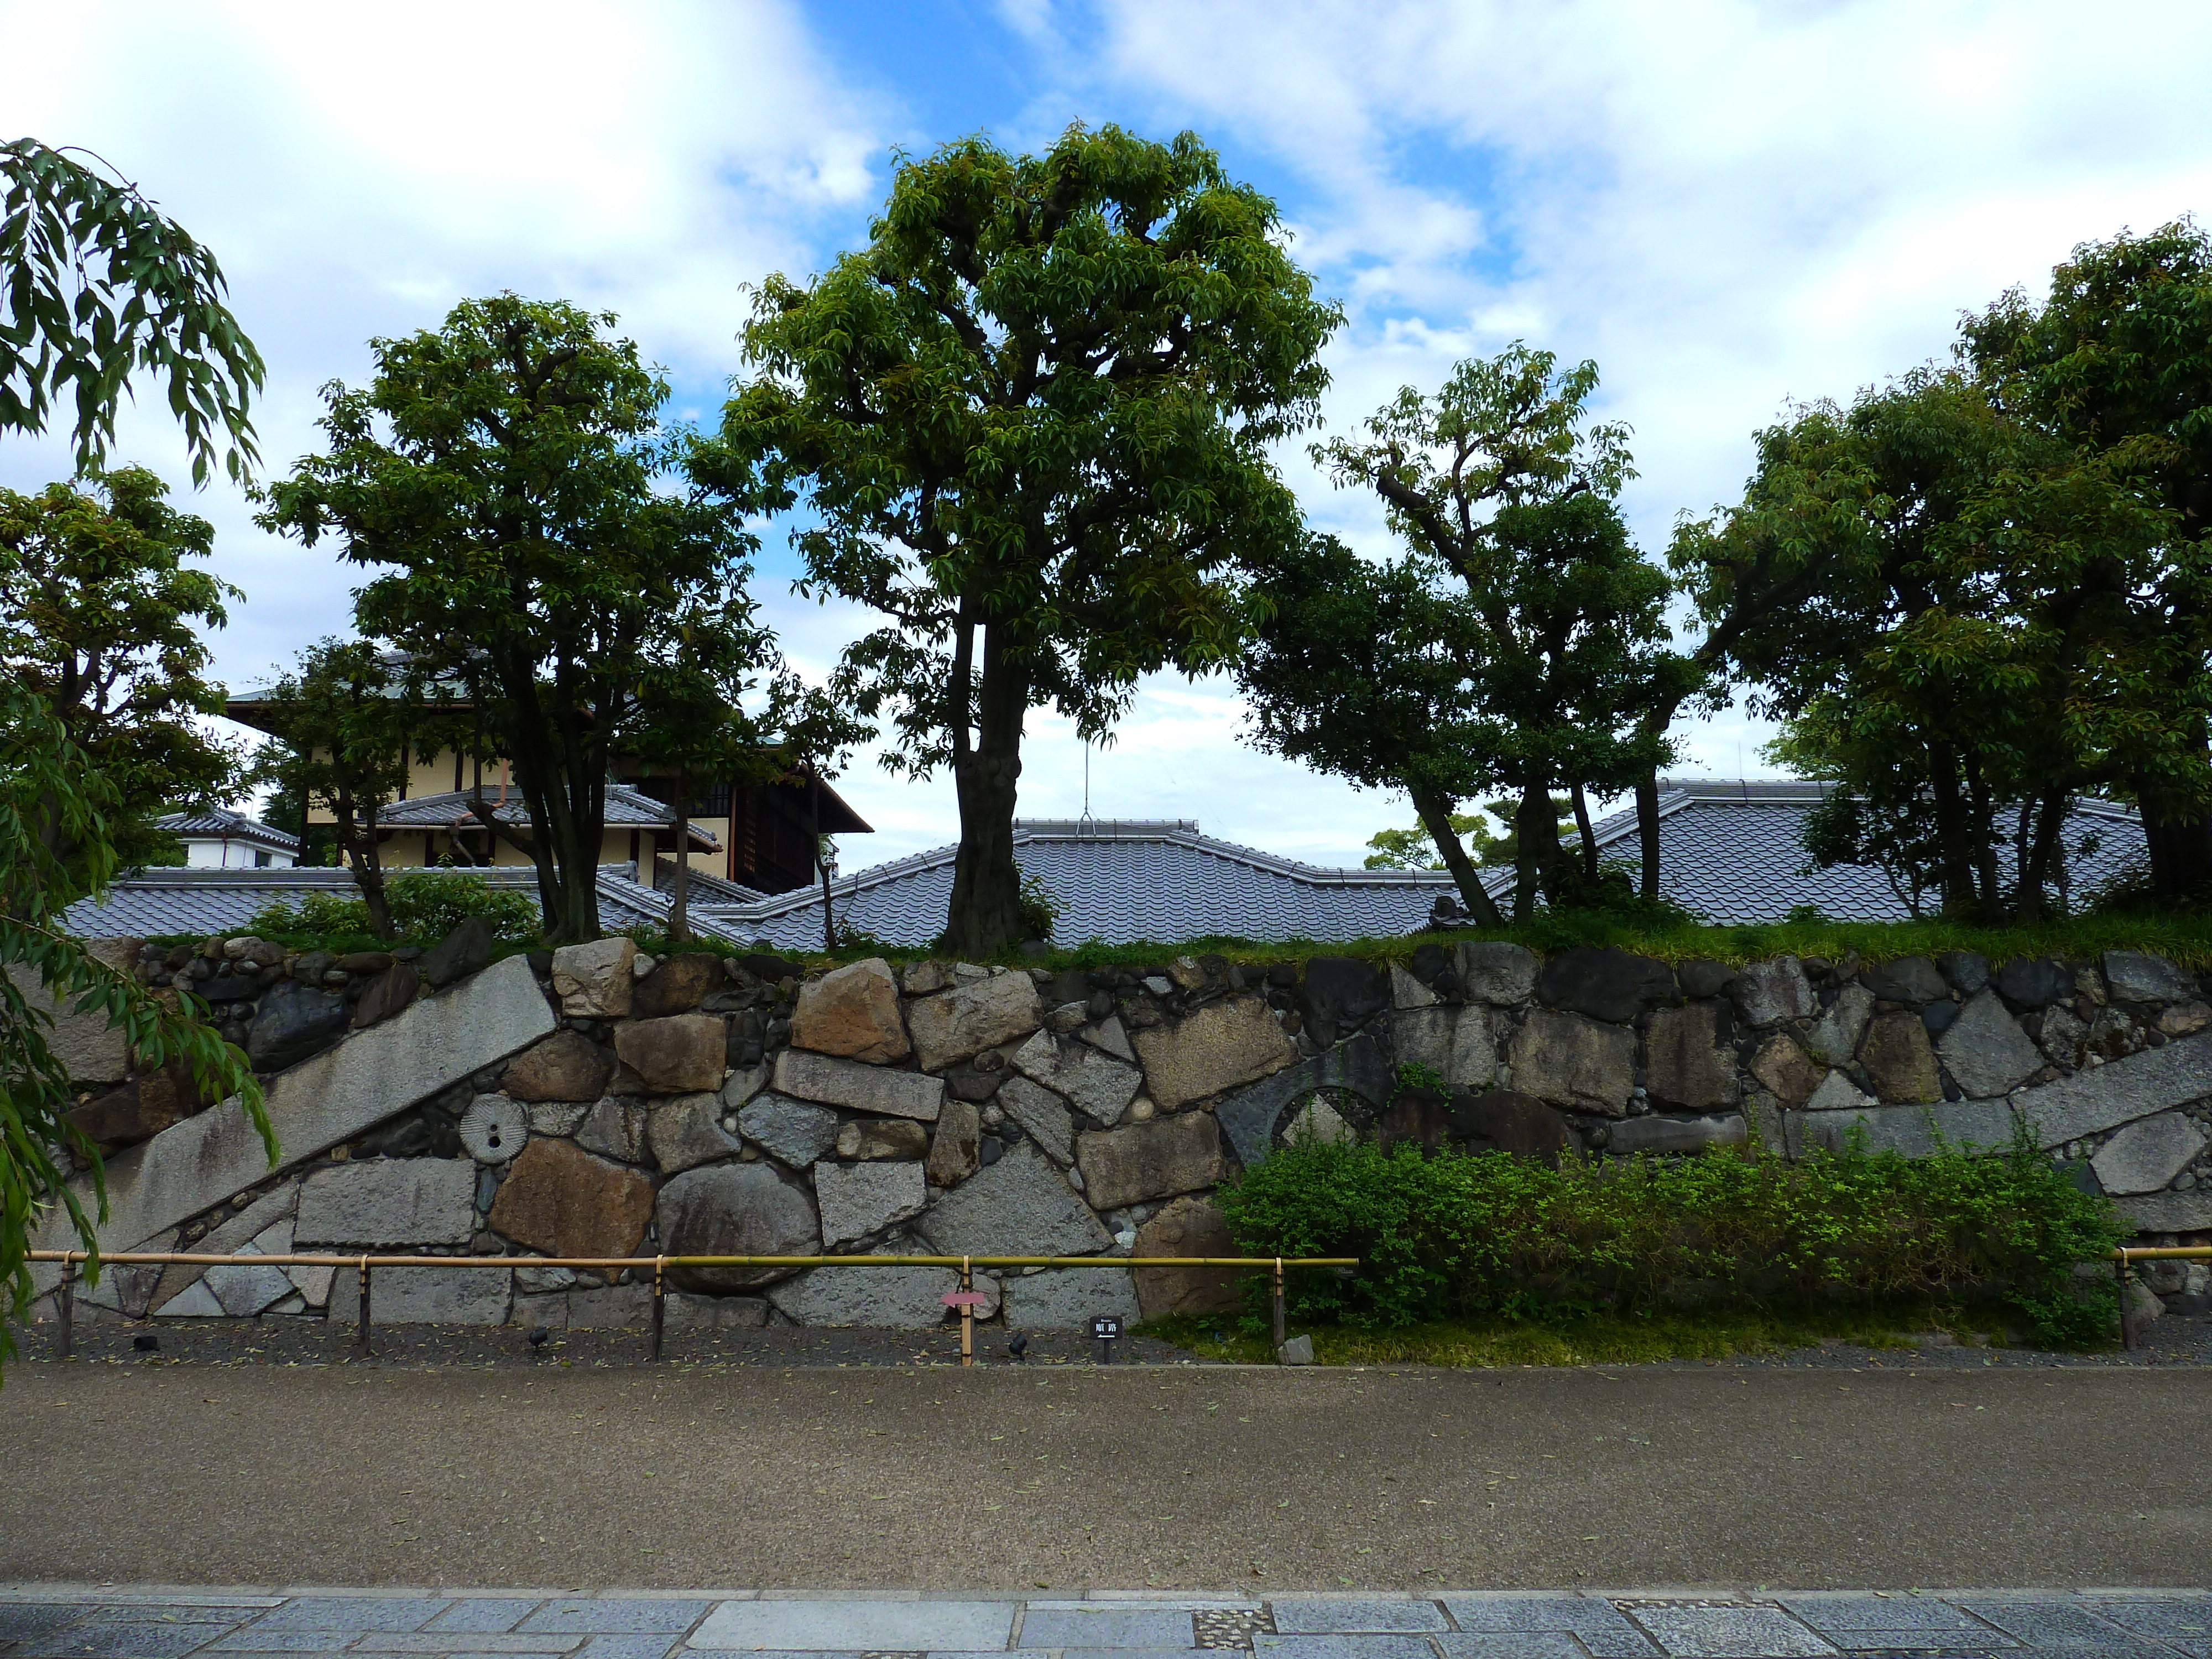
[[1005, 1479]]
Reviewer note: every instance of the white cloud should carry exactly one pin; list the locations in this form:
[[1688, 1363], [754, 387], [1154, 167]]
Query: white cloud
[[1727, 205]]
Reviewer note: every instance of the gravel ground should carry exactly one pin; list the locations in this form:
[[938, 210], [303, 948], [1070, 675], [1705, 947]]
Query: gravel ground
[[292, 1341], [1003, 1480], [289, 1341]]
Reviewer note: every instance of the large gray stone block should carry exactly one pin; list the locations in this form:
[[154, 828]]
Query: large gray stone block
[[1571, 1061], [404, 1200], [794, 1132], [1069, 1298], [1093, 1082], [428, 1295], [2138, 976], [89, 1050], [1040, 1112], [1768, 993], [1985, 1048], [1656, 1134], [1492, 971], [2146, 1154], [857, 1200], [2168, 1212], [1249, 1117], [1912, 1130], [1835, 1035], [2104, 1097], [333, 1096], [1454, 1042], [860, 1087], [1020, 1206], [887, 1298]]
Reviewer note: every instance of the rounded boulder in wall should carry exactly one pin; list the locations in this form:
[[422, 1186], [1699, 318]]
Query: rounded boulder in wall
[[735, 1209]]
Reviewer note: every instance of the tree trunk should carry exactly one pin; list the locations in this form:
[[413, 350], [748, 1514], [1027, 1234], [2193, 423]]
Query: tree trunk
[[1588, 836], [2043, 846], [1647, 833], [1436, 818], [359, 846], [679, 913], [986, 914], [1982, 830], [1536, 840], [814, 851], [1957, 865]]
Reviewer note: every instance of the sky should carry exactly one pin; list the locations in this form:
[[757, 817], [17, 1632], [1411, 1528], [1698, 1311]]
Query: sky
[[1728, 207]]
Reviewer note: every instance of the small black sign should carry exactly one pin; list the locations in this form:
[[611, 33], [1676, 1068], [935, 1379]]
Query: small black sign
[[1105, 1328]]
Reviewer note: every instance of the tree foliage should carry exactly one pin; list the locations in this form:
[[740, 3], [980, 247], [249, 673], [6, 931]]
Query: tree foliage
[[102, 618], [1031, 420], [343, 726], [1504, 486], [97, 287], [506, 472], [52, 796]]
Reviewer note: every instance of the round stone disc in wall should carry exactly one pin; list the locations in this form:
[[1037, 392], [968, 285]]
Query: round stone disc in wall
[[494, 1128]]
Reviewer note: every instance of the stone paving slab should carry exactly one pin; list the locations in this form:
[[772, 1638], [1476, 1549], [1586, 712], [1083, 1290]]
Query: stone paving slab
[[89, 1622]]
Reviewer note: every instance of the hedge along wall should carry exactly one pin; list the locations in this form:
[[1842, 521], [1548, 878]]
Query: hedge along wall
[[592, 1101]]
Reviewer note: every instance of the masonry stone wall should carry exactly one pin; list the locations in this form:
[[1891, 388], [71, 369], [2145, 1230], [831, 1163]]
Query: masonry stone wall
[[608, 1105]]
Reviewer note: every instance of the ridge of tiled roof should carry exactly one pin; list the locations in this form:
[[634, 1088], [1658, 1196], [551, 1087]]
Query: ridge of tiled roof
[[626, 808], [176, 899], [221, 822]]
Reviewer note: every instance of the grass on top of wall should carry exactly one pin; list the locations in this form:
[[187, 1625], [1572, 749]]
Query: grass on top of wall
[[2184, 935]]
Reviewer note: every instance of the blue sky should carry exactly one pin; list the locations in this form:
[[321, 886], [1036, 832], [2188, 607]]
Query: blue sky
[[1728, 206]]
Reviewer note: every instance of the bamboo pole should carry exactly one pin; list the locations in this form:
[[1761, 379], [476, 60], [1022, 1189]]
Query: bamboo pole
[[296, 1258]]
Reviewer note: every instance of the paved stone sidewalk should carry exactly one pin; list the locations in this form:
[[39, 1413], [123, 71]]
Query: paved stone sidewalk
[[83, 1622]]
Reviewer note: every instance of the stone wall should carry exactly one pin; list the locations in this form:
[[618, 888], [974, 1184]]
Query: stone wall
[[699, 1105]]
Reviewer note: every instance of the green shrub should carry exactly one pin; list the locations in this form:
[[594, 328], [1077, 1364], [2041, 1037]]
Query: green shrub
[[1460, 1235], [426, 906]]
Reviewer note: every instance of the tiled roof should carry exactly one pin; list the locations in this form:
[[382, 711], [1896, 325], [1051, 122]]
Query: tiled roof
[[1119, 881], [1734, 851], [626, 809], [221, 823], [210, 901]]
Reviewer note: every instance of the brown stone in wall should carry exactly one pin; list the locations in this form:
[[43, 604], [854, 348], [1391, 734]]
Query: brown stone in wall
[[1900, 1060], [387, 994], [681, 1054], [559, 1200], [566, 1066], [955, 1148], [852, 1010], [1159, 1159], [676, 986], [1190, 1226], [1219, 1047], [1786, 1070]]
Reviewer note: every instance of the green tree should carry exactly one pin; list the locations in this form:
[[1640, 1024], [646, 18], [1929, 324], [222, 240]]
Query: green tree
[[53, 795], [101, 616], [63, 327], [1502, 482], [2117, 365], [508, 470], [1031, 423], [1950, 663], [1416, 849], [343, 726], [97, 286], [1357, 669]]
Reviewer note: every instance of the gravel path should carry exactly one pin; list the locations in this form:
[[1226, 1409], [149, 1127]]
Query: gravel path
[[1007, 1480]]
